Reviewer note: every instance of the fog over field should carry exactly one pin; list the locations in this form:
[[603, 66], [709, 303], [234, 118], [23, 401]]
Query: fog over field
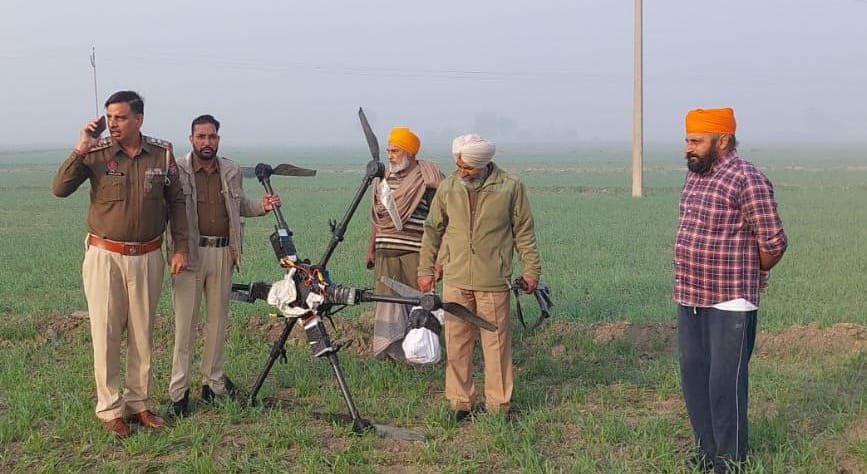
[[554, 71]]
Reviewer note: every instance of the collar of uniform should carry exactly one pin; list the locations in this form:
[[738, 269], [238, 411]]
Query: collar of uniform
[[146, 147], [197, 166]]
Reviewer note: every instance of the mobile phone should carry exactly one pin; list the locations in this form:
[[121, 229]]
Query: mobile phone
[[100, 127]]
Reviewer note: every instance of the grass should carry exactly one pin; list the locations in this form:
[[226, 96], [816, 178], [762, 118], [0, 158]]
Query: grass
[[586, 404]]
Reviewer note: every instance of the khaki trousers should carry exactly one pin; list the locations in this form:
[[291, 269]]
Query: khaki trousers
[[122, 292], [390, 320], [496, 349], [213, 277]]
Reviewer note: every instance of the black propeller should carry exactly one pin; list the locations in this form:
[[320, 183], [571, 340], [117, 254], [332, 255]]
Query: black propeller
[[279, 170], [456, 309], [372, 142]]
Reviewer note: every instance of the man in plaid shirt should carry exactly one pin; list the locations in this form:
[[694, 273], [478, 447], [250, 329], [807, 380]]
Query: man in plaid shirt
[[729, 236]]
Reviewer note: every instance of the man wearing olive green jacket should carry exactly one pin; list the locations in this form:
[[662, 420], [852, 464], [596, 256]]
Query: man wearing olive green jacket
[[479, 214]]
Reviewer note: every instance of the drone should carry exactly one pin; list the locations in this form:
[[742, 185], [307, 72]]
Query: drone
[[308, 295]]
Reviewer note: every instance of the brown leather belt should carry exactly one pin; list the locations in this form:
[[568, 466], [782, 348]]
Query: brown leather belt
[[208, 241], [125, 248]]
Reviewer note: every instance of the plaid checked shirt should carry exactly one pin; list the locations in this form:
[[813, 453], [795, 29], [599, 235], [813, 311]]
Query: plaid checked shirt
[[726, 216]]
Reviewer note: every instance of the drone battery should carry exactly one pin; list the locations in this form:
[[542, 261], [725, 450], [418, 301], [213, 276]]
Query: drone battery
[[278, 246], [281, 241], [317, 338]]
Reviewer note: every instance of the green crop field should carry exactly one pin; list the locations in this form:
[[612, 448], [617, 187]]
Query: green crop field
[[596, 389]]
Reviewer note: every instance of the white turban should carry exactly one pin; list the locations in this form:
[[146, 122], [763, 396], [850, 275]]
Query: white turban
[[474, 150]]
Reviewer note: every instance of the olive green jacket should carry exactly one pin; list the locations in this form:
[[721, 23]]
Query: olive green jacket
[[478, 255]]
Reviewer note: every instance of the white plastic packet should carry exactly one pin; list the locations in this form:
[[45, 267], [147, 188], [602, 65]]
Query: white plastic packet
[[421, 346]]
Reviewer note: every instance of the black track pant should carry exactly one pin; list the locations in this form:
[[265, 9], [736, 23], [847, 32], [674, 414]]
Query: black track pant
[[715, 348]]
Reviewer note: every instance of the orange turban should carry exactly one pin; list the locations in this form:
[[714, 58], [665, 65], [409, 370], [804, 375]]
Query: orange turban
[[404, 139], [711, 121]]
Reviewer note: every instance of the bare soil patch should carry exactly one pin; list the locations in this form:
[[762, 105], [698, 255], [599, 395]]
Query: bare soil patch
[[841, 339], [62, 325], [646, 337], [851, 463]]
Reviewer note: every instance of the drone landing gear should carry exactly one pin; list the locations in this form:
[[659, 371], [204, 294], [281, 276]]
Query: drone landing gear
[[320, 345]]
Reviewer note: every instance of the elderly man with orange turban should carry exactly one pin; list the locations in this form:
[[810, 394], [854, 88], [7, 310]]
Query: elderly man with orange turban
[[729, 236], [400, 206], [482, 216]]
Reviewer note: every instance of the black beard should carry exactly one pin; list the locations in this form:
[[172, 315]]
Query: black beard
[[703, 163], [200, 156]]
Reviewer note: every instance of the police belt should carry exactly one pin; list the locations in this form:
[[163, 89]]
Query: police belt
[[125, 248], [209, 241]]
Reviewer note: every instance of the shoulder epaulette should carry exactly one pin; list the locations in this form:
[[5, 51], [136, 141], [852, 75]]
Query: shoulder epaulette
[[158, 142], [101, 144]]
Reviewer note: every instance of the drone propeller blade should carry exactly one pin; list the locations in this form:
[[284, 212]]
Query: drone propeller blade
[[461, 312], [372, 142], [401, 289], [279, 170], [292, 170], [458, 310]]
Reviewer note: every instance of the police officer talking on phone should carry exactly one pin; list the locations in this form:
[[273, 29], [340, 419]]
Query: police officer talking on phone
[[134, 191]]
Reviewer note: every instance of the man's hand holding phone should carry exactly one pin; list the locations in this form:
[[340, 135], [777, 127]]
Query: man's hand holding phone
[[90, 135]]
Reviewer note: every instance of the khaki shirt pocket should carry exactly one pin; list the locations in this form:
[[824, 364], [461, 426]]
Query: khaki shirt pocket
[[110, 189]]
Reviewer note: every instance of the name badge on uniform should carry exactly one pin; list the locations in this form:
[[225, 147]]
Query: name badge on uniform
[[111, 168]]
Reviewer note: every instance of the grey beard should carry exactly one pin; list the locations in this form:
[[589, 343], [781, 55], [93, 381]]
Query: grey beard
[[473, 184], [476, 182], [404, 164]]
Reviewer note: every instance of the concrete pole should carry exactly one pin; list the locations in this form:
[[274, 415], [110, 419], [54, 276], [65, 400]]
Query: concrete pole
[[638, 109]]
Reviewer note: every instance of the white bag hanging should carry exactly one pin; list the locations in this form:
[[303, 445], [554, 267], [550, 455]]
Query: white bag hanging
[[421, 346]]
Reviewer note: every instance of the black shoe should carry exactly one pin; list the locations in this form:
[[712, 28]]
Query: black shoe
[[699, 462], [180, 408], [458, 416], [208, 394], [231, 390]]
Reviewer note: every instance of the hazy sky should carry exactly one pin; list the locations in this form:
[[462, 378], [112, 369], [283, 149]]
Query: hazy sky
[[287, 72]]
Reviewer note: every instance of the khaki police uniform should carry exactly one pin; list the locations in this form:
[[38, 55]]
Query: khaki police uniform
[[215, 204], [131, 198]]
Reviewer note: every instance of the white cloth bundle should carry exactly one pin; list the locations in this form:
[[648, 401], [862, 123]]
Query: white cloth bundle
[[473, 150], [284, 295], [421, 346]]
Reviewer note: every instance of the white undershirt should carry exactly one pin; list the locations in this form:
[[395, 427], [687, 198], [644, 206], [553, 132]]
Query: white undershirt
[[737, 304]]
